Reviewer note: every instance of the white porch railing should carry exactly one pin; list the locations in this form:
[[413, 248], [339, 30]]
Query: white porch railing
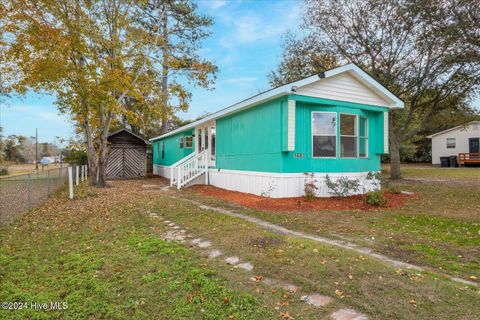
[[188, 168]]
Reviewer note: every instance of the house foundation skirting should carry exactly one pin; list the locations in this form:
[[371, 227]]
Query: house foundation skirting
[[274, 185], [281, 185], [163, 171]]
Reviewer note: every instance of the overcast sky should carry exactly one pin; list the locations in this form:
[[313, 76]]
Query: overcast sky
[[245, 45]]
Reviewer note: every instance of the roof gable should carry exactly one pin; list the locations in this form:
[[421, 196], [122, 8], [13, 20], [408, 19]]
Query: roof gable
[[460, 127], [124, 136], [345, 87]]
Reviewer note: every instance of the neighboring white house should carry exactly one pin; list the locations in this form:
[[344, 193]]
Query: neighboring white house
[[460, 139]]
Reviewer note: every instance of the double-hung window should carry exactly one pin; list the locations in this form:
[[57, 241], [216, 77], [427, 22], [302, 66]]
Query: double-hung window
[[181, 142], [450, 143], [188, 142], [324, 134], [363, 137], [348, 136], [163, 150]]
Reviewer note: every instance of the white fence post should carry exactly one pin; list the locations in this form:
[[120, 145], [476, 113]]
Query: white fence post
[[77, 175], [86, 171], [82, 173], [70, 183]]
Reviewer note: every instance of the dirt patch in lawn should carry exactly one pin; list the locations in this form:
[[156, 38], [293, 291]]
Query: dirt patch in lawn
[[300, 203]]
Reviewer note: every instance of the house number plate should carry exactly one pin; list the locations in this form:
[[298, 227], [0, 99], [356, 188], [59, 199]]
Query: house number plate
[[299, 155]]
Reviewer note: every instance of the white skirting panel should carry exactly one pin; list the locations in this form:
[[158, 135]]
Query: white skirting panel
[[280, 185], [163, 171]]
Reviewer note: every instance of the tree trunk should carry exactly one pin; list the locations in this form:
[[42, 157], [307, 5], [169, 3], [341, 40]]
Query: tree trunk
[[91, 154], [165, 62], [394, 159]]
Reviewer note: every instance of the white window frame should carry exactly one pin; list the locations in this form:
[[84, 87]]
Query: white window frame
[[454, 143], [349, 136], [365, 137], [191, 142], [324, 135]]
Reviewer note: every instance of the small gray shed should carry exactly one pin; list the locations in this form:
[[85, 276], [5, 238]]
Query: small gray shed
[[127, 155]]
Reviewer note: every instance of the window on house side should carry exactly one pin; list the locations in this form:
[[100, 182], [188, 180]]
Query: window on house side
[[188, 142], [363, 137], [450, 143], [181, 142], [348, 136], [163, 150], [324, 134]]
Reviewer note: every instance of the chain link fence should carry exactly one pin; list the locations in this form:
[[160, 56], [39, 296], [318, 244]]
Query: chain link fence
[[18, 194]]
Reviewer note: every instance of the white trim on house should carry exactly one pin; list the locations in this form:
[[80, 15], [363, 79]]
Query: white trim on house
[[291, 125], [463, 126], [280, 185], [386, 131], [390, 99]]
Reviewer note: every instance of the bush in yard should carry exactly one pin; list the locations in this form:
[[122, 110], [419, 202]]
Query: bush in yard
[[343, 186], [375, 198], [3, 171], [309, 187]]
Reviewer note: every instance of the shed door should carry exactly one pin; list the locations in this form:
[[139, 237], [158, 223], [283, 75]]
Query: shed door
[[474, 145], [125, 163]]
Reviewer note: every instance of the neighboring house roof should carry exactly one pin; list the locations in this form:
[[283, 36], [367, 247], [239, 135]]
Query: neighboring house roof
[[290, 88], [129, 132], [454, 128]]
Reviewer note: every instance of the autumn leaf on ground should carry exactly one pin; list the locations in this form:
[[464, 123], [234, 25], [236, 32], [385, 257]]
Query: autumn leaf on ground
[[339, 293], [285, 315]]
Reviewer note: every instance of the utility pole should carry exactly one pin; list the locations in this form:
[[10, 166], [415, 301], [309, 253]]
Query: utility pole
[[36, 149]]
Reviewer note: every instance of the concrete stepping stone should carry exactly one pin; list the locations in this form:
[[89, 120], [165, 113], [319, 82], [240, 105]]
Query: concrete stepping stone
[[150, 186], [316, 300], [167, 221], [196, 241], [290, 287], [204, 244], [246, 266], [173, 235], [214, 254], [232, 260], [171, 224], [270, 281], [348, 314], [176, 227]]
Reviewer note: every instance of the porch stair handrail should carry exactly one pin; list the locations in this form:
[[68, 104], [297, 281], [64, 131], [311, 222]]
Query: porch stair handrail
[[188, 168]]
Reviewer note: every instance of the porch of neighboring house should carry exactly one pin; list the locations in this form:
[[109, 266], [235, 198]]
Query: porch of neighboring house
[[193, 168]]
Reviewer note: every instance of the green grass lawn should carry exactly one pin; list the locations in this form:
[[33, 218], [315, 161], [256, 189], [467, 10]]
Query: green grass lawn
[[105, 262], [440, 229], [428, 171], [103, 255]]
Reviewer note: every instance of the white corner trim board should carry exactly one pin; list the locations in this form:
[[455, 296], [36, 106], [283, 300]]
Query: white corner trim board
[[291, 125], [280, 185], [385, 132]]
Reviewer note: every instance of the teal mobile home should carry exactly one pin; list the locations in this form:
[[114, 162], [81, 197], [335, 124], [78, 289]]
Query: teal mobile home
[[333, 123]]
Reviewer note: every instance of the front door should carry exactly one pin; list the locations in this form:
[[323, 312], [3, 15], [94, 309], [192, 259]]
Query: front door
[[474, 145], [206, 139]]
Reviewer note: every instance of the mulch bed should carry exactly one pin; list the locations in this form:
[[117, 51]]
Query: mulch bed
[[300, 204]]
